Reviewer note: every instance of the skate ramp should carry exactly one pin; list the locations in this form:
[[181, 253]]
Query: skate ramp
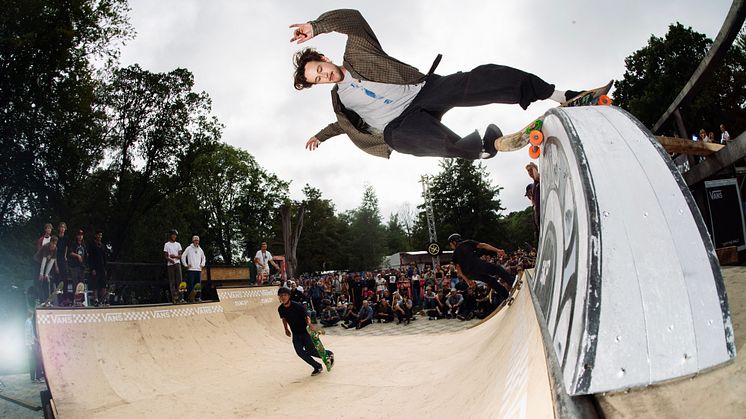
[[627, 290], [627, 279], [232, 359]]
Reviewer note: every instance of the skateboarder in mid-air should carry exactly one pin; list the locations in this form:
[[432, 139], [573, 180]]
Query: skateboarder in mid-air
[[383, 104], [472, 268], [294, 315]]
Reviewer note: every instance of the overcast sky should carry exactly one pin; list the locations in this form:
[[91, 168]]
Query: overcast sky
[[240, 54]]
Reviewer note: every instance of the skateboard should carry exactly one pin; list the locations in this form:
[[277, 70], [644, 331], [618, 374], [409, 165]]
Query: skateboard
[[182, 291], [320, 347], [57, 291], [79, 294], [532, 133], [513, 291], [196, 293]]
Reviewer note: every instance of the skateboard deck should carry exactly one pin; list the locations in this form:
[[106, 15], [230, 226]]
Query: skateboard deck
[[57, 291], [320, 347], [196, 293], [532, 132], [182, 291]]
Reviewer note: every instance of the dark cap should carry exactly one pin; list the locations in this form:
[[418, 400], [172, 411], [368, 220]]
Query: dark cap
[[455, 237]]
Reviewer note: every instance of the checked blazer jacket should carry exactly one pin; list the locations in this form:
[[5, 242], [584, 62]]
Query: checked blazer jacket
[[365, 59]]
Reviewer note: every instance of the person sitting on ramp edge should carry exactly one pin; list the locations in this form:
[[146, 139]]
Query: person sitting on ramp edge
[[472, 268], [293, 314]]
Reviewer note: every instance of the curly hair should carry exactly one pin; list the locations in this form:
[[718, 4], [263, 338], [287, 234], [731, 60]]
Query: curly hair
[[300, 59]]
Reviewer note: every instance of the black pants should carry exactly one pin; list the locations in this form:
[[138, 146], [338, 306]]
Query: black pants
[[418, 130], [306, 351], [490, 278], [329, 322]]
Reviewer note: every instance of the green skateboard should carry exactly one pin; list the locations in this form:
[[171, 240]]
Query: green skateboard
[[532, 133], [320, 347]]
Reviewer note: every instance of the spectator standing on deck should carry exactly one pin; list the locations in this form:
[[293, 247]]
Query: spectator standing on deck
[[724, 135], [62, 241], [264, 260], [194, 260], [172, 252], [97, 264], [77, 257], [47, 257], [45, 237]]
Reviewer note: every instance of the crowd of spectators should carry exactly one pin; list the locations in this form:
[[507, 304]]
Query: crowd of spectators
[[359, 299], [63, 263], [709, 136]]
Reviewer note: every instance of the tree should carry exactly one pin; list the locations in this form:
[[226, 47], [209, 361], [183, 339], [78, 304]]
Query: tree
[[50, 131], [464, 201], [407, 218], [291, 232], [657, 72], [396, 237], [237, 199], [365, 242], [49, 127], [156, 128], [519, 230], [319, 247]]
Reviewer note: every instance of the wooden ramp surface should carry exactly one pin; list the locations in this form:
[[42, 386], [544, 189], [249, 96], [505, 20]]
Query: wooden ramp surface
[[232, 359]]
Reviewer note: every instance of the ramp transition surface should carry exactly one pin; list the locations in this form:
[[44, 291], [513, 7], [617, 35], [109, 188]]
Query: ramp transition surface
[[232, 359]]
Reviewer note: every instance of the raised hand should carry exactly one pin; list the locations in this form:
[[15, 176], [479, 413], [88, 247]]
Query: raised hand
[[312, 144], [302, 33]]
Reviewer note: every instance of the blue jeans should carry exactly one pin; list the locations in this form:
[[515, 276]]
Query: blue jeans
[[193, 278], [306, 351]]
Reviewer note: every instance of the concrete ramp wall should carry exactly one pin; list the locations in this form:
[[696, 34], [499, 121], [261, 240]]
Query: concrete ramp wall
[[627, 279]]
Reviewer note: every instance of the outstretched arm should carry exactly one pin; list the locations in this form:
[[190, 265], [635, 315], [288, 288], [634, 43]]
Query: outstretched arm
[[329, 131], [347, 21], [490, 248]]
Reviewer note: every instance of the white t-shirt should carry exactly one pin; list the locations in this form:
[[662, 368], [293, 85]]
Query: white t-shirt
[[172, 249], [380, 284], [264, 258], [377, 103], [725, 136]]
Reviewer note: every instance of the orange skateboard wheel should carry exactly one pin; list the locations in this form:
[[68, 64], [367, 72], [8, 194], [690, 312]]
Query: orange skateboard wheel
[[534, 152], [536, 137], [604, 100]]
